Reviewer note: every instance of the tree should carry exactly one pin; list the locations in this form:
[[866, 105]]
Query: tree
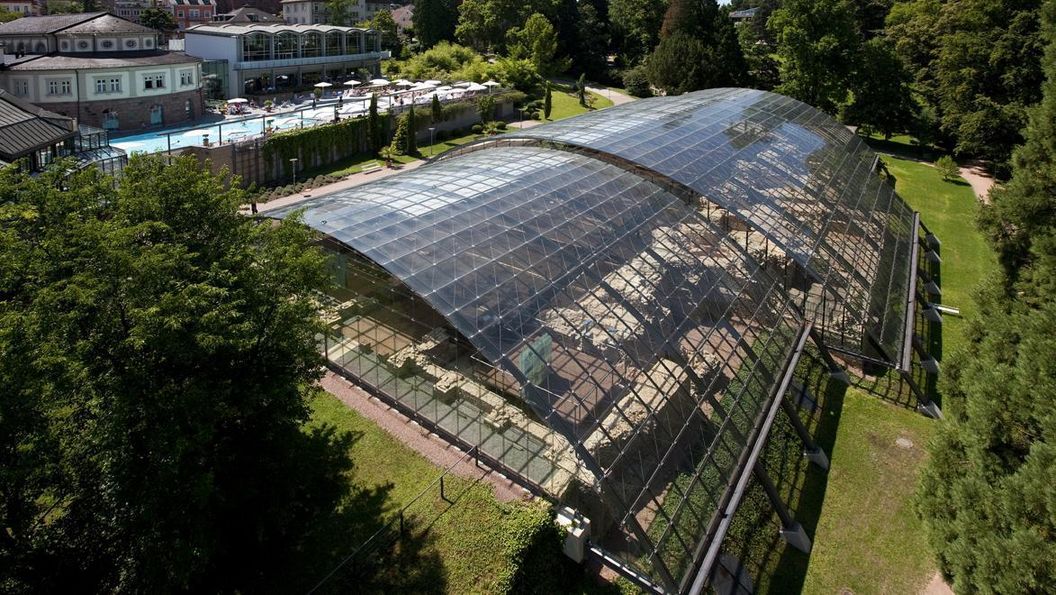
[[6, 16], [698, 48], [818, 50], [482, 24], [636, 27], [412, 131], [158, 19], [434, 21], [548, 102], [581, 89], [486, 109], [1022, 216], [374, 124], [340, 12], [537, 42], [881, 96], [636, 81], [437, 111], [987, 492], [384, 24], [948, 168], [158, 349], [398, 146], [592, 42]]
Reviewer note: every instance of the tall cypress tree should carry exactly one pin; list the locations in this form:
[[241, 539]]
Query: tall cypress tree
[[988, 494], [374, 127], [548, 102], [412, 129]]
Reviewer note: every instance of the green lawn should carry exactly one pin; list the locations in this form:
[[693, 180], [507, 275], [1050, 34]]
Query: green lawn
[[566, 105], [456, 548], [949, 210]]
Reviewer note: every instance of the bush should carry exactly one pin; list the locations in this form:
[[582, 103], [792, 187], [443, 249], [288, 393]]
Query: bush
[[532, 545], [476, 129], [500, 125], [948, 168], [636, 82]]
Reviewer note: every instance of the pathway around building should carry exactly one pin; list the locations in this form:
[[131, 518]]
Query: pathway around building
[[980, 180], [350, 181], [434, 448], [617, 97]]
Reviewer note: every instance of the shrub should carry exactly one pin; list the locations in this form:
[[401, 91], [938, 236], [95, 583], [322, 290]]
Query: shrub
[[636, 82], [476, 129], [532, 546], [500, 125], [948, 168]]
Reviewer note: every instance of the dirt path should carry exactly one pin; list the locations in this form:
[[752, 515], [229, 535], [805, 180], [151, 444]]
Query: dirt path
[[429, 445], [937, 586], [979, 179]]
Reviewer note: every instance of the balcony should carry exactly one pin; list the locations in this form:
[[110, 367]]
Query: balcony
[[259, 64]]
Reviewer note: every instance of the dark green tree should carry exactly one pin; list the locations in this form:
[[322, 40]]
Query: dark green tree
[[158, 348], [537, 42], [706, 54], [434, 21], [158, 19], [818, 48], [988, 492], [581, 89], [486, 109], [437, 111], [636, 27], [398, 145], [592, 42], [375, 127], [384, 24], [881, 94], [482, 24], [412, 132], [548, 101], [339, 12]]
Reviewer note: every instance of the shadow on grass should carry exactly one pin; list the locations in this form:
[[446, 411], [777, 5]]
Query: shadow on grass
[[912, 152], [754, 537]]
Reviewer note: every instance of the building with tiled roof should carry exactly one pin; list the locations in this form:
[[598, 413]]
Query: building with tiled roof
[[247, 15], [101, 69], [189, 13]]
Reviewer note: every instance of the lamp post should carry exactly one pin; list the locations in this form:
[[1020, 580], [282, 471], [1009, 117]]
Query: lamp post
[[431, 129], [293, 165]]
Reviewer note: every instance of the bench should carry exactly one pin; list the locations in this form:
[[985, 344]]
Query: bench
[[370, 167]]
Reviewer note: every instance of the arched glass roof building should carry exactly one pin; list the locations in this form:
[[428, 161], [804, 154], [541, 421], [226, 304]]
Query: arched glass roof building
[[610, 307]]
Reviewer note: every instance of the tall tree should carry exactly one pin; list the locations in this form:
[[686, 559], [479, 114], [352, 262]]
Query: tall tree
[[374, 125], [698, 49], [881, 97], [482, 24], [434, 21], [636, 27], [537, 42], [988, 492], [384, 24], [340, 12], [158, 19], [548, 101], [818, 48], [158, 347], [592, 40]]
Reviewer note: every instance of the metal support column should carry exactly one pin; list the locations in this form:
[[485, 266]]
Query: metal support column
[[835, 370], [791, 531], [811, 450]]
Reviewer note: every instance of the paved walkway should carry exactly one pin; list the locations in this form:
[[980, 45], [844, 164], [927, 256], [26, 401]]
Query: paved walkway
[[434, 448], [980, 180], [617, 97], [349, 182]]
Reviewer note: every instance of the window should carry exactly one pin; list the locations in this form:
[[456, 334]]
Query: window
[[59, 87], [194, 13], [131, 43], [82, 44], [107, 44], [179, 13], [107, 85], [22, 88], [186, 78], [154, 81]]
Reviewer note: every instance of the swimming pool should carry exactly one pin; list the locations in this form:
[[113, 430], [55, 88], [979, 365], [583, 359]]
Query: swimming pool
[[233, 130]]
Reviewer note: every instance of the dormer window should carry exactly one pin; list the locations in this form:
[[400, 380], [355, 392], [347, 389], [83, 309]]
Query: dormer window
[[65, 45], [82, 44], [130, 43], [107, 44]]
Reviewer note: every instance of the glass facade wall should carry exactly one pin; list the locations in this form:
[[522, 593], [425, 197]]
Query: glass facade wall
[[582, 325]]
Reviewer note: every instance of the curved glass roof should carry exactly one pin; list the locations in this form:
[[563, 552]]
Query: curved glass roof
[[636, 327], [794, 174]]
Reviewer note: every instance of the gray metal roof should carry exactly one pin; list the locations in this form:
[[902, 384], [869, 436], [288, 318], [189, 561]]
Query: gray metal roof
[[245, 29], [106, 24], [45, 24], [102, 60], [25, 127]]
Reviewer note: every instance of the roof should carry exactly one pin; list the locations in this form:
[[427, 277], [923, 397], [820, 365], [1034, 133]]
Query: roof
[[45, 24], [193, 2], [249, 14], [227, 29], [745, 14], [102, 60], [106, 24], [793, 173], [404, 16], [647, 275], [25, 127]]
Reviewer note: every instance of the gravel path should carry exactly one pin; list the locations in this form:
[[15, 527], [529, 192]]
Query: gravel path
[[980, 180], [429, 445]]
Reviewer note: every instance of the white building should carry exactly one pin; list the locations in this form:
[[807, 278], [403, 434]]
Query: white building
[[263, 59], [22, 7], [100, 69]]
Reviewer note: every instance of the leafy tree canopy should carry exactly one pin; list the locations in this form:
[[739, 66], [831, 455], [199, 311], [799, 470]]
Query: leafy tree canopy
[[537, 42], [158, 19], [434, 21], [881, 96], [636, 26], [158, 347]]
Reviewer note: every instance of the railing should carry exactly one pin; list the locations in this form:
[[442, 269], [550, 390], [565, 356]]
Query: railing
[[310, 60], [396, 527]]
